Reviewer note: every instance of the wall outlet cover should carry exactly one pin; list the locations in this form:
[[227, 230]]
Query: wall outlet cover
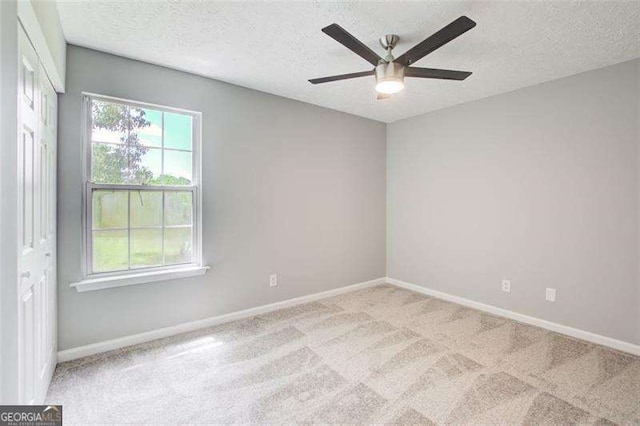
[[551, 294], [506, 286], [273, 280]]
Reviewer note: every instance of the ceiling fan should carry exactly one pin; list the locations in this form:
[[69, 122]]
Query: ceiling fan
[[389, 71]]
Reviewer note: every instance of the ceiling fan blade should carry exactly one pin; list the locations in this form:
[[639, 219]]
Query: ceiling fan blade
[[340, 77], [436, 73], [439, 39], [339, 34], [381, 96]]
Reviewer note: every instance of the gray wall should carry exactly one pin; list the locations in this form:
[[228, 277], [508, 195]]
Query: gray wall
[[289, 188], [539, 186]]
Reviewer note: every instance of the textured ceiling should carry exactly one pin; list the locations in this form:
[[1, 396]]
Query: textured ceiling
[[277, 47]]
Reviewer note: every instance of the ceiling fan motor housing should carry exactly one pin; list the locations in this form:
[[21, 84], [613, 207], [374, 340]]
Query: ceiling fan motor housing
[[389, 77]]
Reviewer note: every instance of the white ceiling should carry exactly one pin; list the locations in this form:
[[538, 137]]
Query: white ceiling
[[277, 47]]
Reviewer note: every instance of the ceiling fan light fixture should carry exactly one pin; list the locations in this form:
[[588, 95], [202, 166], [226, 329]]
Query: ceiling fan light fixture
[[389, 87], [389, 78]]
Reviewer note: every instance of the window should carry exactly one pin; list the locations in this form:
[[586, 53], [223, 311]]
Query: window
[[142, 187]]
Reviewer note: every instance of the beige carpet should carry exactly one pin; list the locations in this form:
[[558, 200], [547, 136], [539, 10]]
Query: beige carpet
[[378, 355]]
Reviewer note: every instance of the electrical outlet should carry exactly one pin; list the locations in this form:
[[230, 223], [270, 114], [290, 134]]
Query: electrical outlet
[[551, 294], [273, 280], [506, 286]]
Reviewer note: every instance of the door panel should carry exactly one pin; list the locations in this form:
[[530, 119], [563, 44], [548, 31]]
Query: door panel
[[48, 146], [26, 189], [28, 266], [28, 353], [28, 80], [43, 185]]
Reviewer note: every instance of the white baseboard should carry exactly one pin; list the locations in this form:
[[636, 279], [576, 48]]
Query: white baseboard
[[95, 348], [558, 328]]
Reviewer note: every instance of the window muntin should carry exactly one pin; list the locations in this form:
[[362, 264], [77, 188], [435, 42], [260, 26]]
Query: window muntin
[[142, 193]]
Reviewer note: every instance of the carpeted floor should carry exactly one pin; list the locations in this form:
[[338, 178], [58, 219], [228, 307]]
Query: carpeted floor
[[377, 355]]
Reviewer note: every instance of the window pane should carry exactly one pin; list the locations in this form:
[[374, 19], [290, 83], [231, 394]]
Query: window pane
[[133, 145], [177, 131], [144, 164], [146, 247], [150, 134], [110, 209], [110, 251], [146, 208], [177, 168], [108, 163], [177, 208], [109, 122], [177, 245]]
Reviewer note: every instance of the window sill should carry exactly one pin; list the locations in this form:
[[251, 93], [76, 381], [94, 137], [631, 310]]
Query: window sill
[[92, 284]]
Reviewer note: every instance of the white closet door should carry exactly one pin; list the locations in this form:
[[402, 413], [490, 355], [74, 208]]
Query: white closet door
[[47, 226], [36, 242]]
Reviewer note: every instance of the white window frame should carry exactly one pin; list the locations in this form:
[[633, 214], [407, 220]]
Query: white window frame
[[100, 280]]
